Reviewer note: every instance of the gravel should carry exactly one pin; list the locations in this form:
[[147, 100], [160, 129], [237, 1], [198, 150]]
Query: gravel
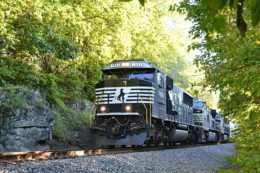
[[197, 159]]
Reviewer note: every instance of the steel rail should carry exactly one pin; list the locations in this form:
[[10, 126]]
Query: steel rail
[[14, 157]]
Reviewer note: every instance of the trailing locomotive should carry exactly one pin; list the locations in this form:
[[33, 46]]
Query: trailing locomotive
[[138, 104], [210, 123]]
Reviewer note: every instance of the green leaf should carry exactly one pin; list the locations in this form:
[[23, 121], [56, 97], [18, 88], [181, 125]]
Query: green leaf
[[213, 5], [231, 3], [255, 11], [219, 24], [142, 2]]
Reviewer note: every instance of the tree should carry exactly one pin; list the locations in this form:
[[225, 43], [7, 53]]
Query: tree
[[229, 44]]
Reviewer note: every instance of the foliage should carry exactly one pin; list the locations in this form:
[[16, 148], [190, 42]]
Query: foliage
[[11, 99], [16, 73], [214, 15], [67, 121], [231, 66]]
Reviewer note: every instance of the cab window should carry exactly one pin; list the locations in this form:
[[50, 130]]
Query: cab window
[[133, 75], [160, 79], [145, 76]]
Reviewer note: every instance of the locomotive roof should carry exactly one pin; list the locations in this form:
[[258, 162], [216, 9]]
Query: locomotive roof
[[128, 64], [187, 98]]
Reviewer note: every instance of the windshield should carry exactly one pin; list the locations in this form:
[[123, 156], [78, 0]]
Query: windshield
[[198, 104], [147, 76], [134, 75]]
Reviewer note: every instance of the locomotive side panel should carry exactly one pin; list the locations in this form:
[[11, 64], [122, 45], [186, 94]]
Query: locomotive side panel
[[159, 107], [182, 102]]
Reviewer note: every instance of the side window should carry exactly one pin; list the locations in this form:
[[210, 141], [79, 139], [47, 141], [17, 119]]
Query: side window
[[178, 100], [174, 107], [162, 82], [160, 79], [170, 95]]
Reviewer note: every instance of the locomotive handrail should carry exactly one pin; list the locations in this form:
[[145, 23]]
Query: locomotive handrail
[[146, 110], [98, 99], [91, 112], [150, 110]]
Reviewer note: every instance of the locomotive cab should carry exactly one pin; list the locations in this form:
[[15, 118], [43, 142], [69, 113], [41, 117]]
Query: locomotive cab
[[201, 113], [123, 88]]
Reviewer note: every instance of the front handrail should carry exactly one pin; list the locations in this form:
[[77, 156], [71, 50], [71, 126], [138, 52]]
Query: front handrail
[[146, 110], [150, 110]]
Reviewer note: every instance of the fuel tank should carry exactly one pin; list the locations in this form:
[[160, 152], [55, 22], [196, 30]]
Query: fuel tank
[[177, 135]]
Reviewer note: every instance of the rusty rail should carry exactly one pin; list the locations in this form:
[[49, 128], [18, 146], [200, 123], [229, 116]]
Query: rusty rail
[[43, 155], [14, 157]]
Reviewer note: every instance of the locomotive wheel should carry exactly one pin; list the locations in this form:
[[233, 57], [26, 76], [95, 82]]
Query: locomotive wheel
[[157, 143], [172, 143], [148, 144], [111, 146]]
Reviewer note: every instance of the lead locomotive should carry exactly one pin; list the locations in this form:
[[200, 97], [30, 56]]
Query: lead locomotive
[[138, 104]]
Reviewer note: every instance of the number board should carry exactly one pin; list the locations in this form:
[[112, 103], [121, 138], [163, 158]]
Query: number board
[[128, 64]]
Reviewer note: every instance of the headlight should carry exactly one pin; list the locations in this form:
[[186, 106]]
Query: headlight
[[103, 108], [128, 108]]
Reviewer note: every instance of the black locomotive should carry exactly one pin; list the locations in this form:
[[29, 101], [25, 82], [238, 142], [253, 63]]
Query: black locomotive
[[138, 104]]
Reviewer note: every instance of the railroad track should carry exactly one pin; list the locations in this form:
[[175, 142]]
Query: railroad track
[[16, 157]]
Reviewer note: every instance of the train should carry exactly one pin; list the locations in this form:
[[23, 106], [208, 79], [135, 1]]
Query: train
[[137, 104]]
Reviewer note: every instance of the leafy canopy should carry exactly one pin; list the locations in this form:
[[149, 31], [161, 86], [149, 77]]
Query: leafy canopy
[[231, 65]]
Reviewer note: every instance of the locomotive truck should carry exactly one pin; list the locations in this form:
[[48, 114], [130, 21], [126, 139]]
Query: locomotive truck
[[137, 104]]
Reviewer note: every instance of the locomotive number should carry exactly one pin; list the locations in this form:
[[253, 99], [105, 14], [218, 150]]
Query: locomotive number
[[136, 64], [115, 65]]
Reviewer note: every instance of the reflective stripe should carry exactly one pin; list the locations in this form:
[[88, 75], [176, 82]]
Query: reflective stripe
[[132, 88], [120, 95], [118, 113]]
